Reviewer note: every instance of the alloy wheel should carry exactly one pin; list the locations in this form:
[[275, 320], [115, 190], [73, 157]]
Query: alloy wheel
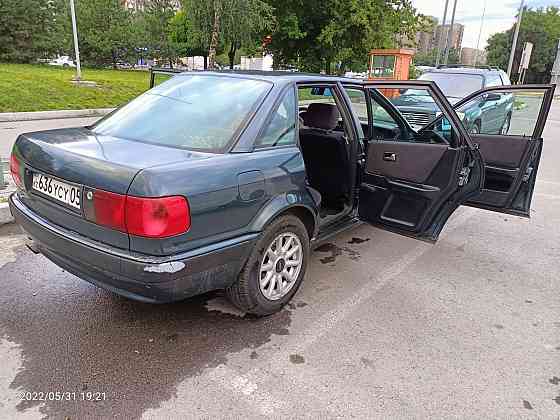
[[280, 266]]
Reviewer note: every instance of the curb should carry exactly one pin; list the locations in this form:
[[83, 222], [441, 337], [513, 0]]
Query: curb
[[5, 214], [53, 115]]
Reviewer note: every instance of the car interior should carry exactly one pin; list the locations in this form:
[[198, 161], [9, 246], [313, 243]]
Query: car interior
[[324, 146]]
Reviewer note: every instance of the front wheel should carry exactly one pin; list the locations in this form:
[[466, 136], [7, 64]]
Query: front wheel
[[274, 270]]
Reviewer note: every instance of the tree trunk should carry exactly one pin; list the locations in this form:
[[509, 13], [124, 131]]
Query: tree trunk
[[215, 36], [231, 54], [327, 66]]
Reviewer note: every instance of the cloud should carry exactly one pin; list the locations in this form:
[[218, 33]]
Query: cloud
[[535, 4], [476, 19]]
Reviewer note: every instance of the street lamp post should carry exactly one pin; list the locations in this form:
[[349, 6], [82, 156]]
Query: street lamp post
[[450, 34], [441, 34], [76, 48], [515, 36], [479, 34]]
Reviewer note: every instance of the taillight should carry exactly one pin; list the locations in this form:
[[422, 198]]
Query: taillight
[[15, 170], [141, 216], [157, 217], [109, 209]]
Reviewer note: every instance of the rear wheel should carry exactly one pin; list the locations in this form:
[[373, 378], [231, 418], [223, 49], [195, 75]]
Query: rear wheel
[[274, 270]]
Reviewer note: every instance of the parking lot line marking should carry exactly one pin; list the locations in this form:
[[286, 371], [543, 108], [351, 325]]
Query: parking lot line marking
[[249, 385], [299, 342], [229, 379], [12, 363], [543, 181], [545, 195]]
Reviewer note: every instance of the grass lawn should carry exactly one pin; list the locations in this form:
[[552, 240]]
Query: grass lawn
[[39, 87]]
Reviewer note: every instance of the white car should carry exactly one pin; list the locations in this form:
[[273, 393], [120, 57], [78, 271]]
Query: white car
[[63, 61]]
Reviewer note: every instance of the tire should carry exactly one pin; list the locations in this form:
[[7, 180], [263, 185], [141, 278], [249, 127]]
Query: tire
[[247, 293]]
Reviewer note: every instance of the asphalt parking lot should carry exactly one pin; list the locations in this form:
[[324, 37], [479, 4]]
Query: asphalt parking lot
[[383, 327]]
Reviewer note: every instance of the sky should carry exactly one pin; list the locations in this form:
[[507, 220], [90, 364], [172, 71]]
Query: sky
[[500, 15]]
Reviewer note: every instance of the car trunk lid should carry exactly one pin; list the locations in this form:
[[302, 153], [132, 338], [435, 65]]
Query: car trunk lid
[[79, 157]]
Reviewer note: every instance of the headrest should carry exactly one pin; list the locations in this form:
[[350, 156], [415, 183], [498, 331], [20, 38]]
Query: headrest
[[323, 116]]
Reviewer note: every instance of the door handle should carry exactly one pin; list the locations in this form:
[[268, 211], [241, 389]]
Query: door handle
[[390, 156]]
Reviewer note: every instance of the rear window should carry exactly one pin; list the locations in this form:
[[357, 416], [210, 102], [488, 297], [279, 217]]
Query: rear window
[[455, 85], [188, 111]]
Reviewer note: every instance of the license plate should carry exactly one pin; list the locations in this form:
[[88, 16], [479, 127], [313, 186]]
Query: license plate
[[60, 191]]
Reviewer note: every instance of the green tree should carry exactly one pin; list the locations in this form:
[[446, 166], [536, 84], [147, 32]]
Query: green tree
[[315, 34], [245, 24], [105, 30], [217, 23], [189, 40], [26, 29], [542, 28], [154, 26], [429, 58]]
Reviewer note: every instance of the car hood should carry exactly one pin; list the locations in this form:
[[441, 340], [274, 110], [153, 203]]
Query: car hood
[[82, 156]]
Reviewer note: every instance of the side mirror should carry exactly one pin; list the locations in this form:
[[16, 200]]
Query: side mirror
[[490, 97], [402, 91]]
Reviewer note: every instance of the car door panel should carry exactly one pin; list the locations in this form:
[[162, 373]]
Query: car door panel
[[509, 190], [511, 160], [411, 184], [412, 161], [501, 151], [407, 200]]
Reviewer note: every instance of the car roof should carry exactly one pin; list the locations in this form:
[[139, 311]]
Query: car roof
[[465, 70], [275, 76]]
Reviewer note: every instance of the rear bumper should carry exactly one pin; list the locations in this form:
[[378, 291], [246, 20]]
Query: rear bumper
[[136, 276]]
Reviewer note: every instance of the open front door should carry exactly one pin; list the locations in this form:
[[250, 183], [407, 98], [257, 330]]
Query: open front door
[[507, 123], [419, 164]]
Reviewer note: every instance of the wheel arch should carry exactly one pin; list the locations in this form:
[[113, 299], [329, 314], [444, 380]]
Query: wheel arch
[[294, 204]]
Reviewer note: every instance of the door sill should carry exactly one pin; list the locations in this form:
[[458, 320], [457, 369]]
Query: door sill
[[345, 224]]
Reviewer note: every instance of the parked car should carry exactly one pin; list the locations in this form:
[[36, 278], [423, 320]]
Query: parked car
[[228, 180], [490, 112], [63, 61]]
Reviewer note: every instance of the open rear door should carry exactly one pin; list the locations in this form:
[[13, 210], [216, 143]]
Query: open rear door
[[506, 123], [419, 164]]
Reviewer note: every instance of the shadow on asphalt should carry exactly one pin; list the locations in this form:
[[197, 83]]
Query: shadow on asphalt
[[77, 338]]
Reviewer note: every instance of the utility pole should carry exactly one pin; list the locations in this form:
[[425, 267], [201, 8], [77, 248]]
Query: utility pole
[[76, 48], [479, 34], [515, 36], [450, 34], [441, 34]]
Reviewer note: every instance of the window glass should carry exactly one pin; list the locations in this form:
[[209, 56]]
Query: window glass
[[321, 95], [308, 95], [188, 111], [281, 130], [455, 86], [505, 78], [493, 80], [420, 109], [358, 102], [383, 65], [513, 113]]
